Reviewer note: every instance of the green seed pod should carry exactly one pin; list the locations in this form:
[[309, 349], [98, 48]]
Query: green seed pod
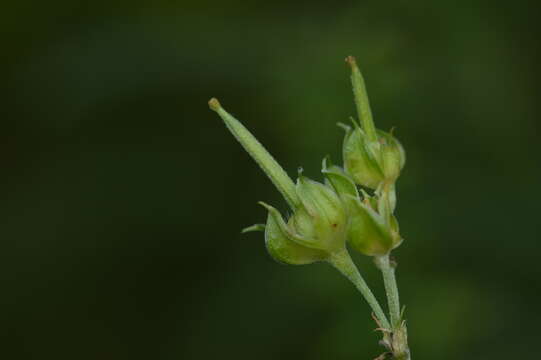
[[370, 232], [370, 156], [316, 229], [281, 245], [322, 218], [393, 156], [371, 163], [372, 227]]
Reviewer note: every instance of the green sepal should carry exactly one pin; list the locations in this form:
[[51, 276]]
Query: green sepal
[[368, 232], [344, 127], [386, 198], [326, 215], [360, 161], [299, 235], [281, 245], [386, 203], [336, 177], [369, 200], [255, 227], [393, 156]]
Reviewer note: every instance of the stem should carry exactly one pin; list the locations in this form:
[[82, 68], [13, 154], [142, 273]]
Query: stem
[[399, 343], [343, 263], [361, 100], [390, 288]]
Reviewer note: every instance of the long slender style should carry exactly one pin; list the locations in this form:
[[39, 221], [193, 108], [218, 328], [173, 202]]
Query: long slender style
[[274, 171], [361, 99]]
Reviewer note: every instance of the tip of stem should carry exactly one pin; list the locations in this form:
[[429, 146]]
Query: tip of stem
[[351, 61], [214, 104]]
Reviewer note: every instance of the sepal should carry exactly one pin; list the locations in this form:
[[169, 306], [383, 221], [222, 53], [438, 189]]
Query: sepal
[[282, 246], [255, 227], [393, 156], [322, 217], [340, 181], [369, 232], [360, 159]]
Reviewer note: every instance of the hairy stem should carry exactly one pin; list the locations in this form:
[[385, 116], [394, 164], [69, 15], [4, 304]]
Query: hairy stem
[[391, 288], [343, 263], [399, 342]]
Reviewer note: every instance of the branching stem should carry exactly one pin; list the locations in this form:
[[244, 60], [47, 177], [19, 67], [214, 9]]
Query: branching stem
[[343, 263], [399, 342]]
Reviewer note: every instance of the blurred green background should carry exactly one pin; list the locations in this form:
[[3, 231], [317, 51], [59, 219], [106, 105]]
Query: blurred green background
[[123, 195]]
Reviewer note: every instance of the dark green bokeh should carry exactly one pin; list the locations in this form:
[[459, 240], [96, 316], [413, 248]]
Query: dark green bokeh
[[123, 195]]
